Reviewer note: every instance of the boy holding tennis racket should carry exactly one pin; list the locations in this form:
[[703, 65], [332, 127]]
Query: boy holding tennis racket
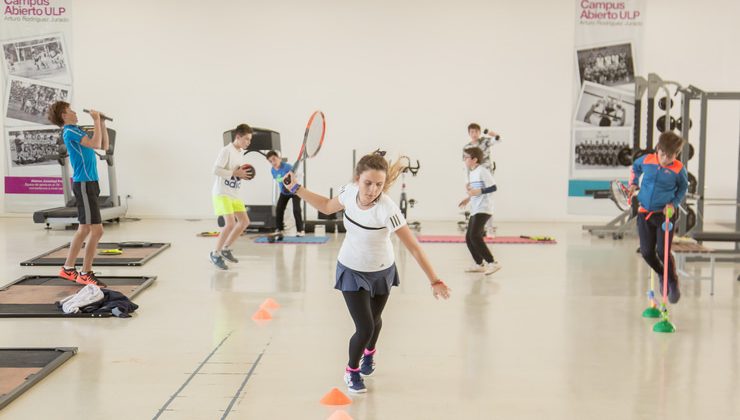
[[85, 187], [662, 189], [479, 187], [279, 170], [366, 268], [230, 170]]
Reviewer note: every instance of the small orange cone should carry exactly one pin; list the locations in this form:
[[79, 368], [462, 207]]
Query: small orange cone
[[335, 397], [261, 315], [270, 303], [340, 415]]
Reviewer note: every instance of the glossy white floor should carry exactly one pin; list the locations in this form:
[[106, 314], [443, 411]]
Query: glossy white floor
[[556, 334]]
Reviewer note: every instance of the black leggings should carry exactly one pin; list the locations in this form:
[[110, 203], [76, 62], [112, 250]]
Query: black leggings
[[365, 312], [474, 238], [280, 211], [652, 243]]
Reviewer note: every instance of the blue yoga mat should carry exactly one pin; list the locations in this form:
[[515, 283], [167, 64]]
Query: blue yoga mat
[[295, 240]]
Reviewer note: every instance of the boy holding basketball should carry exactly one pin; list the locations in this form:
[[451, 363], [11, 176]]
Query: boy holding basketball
[[663, 188], [230, 169], [279, 170]]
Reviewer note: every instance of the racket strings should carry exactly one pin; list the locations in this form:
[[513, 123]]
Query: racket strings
[[620, 195], [314, 135]]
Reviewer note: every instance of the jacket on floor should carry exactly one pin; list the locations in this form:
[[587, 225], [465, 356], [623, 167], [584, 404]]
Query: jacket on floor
[[112, 302]]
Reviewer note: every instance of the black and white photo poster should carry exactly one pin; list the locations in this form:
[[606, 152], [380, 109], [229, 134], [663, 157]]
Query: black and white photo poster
[[36, 39], [606, 60]]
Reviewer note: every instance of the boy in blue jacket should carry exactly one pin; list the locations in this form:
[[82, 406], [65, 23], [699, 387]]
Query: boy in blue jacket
[[279, 170], [663, 188]]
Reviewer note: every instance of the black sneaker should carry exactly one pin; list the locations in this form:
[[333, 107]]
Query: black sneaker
[[674, 293], [354, 382], [367, 367], [218, 261], [226, 253]]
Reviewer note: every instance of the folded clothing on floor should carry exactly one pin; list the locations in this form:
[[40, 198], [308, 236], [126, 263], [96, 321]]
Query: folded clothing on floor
[[86, 296]]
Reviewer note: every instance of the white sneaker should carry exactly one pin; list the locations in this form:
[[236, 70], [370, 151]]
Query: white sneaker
[[301, 233], [491, 268], [475, 268]]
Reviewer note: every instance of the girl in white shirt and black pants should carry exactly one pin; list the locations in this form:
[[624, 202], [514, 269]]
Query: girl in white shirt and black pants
[[366, 269]]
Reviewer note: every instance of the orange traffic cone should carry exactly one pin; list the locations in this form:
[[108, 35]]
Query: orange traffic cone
[[335, 397], [270, 304], [261, 315], [340, 415]]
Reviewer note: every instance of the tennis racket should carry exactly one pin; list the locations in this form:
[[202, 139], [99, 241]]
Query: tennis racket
[[620, 194], [313, 138]]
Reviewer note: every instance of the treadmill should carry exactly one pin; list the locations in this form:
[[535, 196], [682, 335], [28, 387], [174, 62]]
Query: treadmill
[[110, 205]]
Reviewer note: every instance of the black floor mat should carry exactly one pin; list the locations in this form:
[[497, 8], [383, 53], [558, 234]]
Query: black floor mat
[[133, 254], [35, 296], [22, 368]]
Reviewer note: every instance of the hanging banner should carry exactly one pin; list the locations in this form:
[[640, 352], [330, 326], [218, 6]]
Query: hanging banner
[[608, 38], [36, 36]]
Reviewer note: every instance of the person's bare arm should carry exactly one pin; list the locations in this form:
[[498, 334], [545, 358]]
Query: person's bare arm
[[439, 288], [97, 139], [104, 131], [323, 204]]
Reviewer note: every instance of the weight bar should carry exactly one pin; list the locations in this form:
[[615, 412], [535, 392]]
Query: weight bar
[[679, 123], [640, 153], [660, 124], [690, 218], [624, 156], [692, 183], [662, 103], [691, 151]]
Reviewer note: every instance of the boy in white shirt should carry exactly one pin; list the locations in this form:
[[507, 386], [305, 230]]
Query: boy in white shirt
[[480, 186], [229, 172]]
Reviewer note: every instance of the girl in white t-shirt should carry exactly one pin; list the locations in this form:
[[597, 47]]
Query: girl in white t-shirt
[[480, 186], [366, 269]]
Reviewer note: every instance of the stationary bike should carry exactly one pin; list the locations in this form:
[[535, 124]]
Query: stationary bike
[[405, 203]]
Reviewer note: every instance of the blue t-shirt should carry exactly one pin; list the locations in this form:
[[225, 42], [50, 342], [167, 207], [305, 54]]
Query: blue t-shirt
[[83, 159], [279, 174]]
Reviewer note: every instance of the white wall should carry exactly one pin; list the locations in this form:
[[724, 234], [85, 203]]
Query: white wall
[[708, 34], [404, 76]]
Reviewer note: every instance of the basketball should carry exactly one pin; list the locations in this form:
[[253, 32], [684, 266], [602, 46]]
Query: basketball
[[250, 171]]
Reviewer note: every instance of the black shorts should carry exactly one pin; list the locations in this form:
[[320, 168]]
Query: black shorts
[[88, 209]]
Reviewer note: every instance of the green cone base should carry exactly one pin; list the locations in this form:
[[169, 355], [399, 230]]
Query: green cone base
[[651, 313], [664, 327]]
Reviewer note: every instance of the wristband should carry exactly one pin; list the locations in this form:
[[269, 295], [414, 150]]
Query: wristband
[[436, 282], [295, 188]]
